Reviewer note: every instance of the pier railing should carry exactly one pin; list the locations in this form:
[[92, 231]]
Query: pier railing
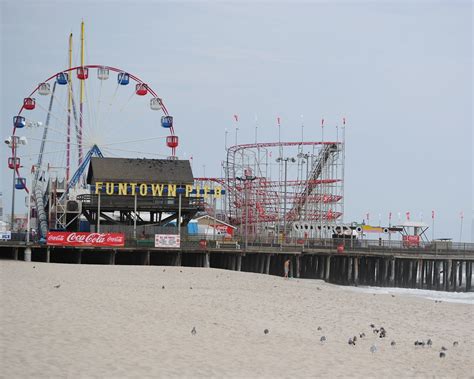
[[201, 241]]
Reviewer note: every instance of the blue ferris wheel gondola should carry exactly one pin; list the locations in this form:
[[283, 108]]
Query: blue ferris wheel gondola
[[167, 121], [62, 78], [123, 78], [19, 122], [20, 183]]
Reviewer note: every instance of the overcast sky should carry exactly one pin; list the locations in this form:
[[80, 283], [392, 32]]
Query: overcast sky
[[400, 72]]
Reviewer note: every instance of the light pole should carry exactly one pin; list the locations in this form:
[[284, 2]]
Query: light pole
[[245, 179], [280, 159]]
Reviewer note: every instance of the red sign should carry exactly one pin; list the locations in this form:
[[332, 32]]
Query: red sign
[[85, 239], [411, 241]]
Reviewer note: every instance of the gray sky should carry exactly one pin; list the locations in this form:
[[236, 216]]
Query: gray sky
[[400, 72]]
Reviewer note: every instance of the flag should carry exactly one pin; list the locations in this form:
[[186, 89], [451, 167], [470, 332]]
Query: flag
[[343, 121], [408, 216], [278, 121], [322, 122], [236, 118], [461, 215], [432, 215], [389, 216]]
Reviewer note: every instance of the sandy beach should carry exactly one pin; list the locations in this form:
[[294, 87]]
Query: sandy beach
[[136, 321]]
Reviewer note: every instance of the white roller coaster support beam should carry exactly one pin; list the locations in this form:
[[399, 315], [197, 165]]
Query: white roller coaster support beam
[[38, 189]]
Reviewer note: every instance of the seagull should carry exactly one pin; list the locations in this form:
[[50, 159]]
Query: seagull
[[442, 354], [429, 342], [373, 349], [57, 286], [372, 326], [162, 287], [455, 343], [193, 331], [443, 348], [350, 342], [265, 331], [362, 335], [392, 343], [323, 339], [354, 339], [319, 328]]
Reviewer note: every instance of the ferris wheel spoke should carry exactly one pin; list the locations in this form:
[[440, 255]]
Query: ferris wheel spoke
[[133, 141], [134, 151], [108, 110]]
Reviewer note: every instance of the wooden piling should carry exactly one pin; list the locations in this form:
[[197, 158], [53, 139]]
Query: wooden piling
[[356, 271], [392, 272], [298, 266], [328, 268], [349, 270], [468, 276], [455, 275], [437, 275], [267, 264], [449, 269], [48, 255], [239, 262], [112, 257], [146, 258]]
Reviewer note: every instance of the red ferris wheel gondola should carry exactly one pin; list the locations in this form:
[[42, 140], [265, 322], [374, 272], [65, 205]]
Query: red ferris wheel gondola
[[172, 141], [29, 103]]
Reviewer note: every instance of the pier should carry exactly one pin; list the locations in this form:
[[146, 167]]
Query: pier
[[388, 265]]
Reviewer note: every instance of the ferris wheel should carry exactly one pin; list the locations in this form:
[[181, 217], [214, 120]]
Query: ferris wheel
[[84, 111], [80, 108]]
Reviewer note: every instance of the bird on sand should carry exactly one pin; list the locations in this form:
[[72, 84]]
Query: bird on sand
[[319, 328], [162, 287], [193, 331], [455, 343], [322, 339], [442, 354], [57, 286], [351, 342], [265, 331], [372, 326], [373, 349], [393, 343], [429, 342], [362, 335], [443, 348]]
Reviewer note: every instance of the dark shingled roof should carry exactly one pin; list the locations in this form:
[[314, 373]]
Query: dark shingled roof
[[139, 170]]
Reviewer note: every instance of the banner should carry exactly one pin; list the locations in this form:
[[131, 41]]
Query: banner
[[411, 241], [167, 240], [5, 236], [85, 239], [372, 229]]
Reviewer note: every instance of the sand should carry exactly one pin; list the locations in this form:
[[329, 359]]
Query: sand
[[119, 321]]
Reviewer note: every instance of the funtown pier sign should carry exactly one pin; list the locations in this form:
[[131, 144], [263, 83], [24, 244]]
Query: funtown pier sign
[[156, 189]]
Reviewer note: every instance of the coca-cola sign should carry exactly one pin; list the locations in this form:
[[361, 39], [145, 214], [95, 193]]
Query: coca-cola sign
[[85, 239]]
